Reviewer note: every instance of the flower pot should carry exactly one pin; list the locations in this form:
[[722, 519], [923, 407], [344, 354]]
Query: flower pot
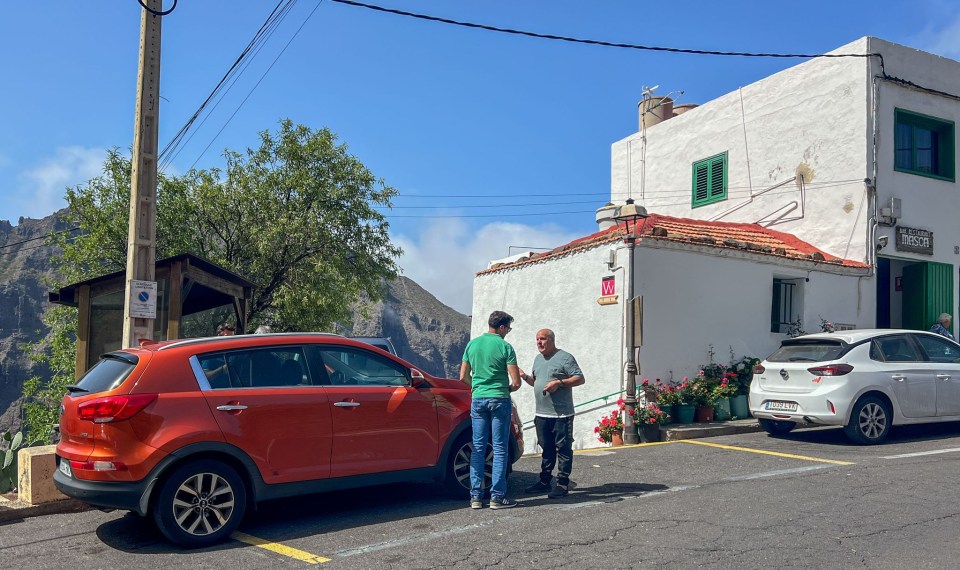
[[670, 415], [721, 410], [739, 407], [684, 413], [617, 438], [704, 414], [649, 433]]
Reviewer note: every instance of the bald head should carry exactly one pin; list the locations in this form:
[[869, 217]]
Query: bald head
[[546, 342]]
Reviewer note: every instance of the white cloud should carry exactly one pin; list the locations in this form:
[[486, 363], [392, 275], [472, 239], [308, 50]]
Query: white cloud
[[446, 254], [943, 38], [40, 189]]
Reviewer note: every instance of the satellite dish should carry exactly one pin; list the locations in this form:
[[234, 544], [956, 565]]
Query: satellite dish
[[650, 90]]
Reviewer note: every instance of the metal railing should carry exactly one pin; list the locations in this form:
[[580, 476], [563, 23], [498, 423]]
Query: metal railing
[[528, 424]]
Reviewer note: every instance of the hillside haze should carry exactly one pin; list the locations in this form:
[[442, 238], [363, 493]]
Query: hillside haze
[[424, 331]]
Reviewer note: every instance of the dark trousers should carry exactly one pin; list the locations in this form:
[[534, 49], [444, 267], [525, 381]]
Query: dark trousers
[[555, 436]]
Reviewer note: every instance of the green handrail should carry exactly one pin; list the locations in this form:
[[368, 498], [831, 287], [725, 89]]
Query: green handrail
[[575, 406]]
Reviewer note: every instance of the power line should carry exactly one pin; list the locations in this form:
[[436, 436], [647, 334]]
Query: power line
[[44, 236], [169, 152], [598, 42], [307, 19]]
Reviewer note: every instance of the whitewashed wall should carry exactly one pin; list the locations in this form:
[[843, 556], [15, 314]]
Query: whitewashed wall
[[811, 118], [559, 294], [694, 300], [927, 203]]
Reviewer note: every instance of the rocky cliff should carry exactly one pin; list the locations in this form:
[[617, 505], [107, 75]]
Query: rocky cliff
[[424, 331]]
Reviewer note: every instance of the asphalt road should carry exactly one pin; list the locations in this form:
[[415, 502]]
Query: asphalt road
[[744, 501]]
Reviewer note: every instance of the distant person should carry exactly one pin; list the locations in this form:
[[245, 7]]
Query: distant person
[[942, 326], [226, 329], [555, 373], [490, 368], [262, 329]]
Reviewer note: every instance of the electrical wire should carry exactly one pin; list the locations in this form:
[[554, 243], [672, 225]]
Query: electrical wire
[[597, 42], [44, 236], [254, 88], [154, 12], [259, 38]]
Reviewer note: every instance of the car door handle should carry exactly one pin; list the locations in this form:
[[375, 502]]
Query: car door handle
[[231, 408], [346, 404], [943, 376], [898, 377]]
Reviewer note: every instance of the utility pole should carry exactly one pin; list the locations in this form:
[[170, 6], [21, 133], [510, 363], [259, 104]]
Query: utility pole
[[140, 301]]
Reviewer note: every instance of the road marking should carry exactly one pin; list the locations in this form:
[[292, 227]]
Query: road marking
[[278, 548], [764, 452], [919, 453], [775, 473], [612, 449], [421, 537]]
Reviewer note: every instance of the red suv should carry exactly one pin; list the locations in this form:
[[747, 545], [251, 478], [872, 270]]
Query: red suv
[[193, 431]]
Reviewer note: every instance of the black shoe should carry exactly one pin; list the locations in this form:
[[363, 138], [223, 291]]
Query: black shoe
[[559, 491], [476, 503], [502, 503], [538, 487]]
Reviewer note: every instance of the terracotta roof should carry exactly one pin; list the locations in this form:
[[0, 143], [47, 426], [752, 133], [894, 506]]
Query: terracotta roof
[[751, 238]]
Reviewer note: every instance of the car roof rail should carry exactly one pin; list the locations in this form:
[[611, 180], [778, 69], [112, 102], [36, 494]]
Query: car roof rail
[[215, 339]]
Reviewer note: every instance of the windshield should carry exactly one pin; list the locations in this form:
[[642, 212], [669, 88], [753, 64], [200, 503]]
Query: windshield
[[107, 374], [820, 351]]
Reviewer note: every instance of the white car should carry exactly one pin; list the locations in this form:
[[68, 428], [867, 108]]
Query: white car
[[864, 380]]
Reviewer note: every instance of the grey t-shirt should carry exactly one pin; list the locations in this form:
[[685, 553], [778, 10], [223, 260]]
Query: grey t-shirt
[[561, 364]]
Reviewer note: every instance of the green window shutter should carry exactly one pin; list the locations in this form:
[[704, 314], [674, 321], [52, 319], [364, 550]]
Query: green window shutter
[[710, 180], [924, 145]]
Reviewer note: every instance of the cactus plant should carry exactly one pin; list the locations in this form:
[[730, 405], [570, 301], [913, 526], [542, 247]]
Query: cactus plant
[[8, 470]]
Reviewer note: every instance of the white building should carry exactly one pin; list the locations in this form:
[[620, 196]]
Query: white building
[[813, 194]]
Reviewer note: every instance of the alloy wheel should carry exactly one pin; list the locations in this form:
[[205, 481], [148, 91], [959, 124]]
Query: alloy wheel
[[203, 504], [872, 420], [461, 465]]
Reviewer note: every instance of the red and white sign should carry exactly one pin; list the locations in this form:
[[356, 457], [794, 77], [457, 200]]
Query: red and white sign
[[608, 286]]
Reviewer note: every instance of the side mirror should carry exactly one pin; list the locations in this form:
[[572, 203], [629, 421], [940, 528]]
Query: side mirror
[[416, 378]]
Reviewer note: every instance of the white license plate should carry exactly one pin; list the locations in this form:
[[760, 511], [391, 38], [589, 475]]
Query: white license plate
[[65, 467], [782, 406]]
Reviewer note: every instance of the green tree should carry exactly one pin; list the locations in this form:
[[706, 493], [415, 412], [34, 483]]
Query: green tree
[[296, 216]]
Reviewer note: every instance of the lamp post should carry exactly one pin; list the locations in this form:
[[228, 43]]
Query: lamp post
[[630, 214]]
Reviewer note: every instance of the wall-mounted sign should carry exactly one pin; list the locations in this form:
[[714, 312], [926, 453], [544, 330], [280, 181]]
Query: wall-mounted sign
[[143, 299], [608, 288], [914, 240]]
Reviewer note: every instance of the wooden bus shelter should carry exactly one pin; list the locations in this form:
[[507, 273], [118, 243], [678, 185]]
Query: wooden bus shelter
[[193, 296]]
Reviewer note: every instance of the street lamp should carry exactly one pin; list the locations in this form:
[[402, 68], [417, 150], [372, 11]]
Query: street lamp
[[629, 215]]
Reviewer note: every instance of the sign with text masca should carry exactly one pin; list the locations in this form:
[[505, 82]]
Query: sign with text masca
[[143, 299]]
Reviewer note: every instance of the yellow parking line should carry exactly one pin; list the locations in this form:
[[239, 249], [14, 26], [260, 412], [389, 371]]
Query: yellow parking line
[[279, 548], [764, 452]]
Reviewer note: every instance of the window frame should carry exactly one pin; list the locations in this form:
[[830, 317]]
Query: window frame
[[945, 131], [712, 196], [795, 297]]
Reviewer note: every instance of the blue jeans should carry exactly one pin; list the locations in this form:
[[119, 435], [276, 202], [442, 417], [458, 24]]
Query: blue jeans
[[489, 415]]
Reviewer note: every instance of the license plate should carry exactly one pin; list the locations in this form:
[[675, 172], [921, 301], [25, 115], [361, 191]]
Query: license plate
[[782, 406], [65, 467]]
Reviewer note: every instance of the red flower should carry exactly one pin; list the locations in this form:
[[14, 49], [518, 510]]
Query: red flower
[[646, 381]]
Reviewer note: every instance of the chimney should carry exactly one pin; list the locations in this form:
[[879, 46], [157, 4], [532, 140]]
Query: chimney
[[605, 216]]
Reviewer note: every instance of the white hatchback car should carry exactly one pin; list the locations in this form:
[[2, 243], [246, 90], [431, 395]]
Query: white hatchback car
[[864, 380]]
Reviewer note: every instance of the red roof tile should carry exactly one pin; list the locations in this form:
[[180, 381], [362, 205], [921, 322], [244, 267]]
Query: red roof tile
[[751, 238]]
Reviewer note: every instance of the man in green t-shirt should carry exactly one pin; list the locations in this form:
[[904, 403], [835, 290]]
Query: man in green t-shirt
[[490, 367]]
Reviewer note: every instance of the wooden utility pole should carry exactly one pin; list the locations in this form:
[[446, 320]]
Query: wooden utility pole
[[140, 301]]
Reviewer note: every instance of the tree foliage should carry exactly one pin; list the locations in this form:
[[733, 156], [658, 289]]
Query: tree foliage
[[296, 216]]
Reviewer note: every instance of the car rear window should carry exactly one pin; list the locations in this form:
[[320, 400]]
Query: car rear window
[[107, 374], [807, 352]]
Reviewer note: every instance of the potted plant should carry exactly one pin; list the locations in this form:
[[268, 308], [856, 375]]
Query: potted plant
[[683, 404], [722, 392], [744, 375], [610, 427], [648, 420], [702, 395]]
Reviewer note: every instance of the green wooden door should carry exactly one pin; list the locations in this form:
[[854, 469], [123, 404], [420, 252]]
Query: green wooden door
[[927, 292]]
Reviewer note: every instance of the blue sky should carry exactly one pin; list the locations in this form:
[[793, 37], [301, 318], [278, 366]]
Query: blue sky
[[506, 138]]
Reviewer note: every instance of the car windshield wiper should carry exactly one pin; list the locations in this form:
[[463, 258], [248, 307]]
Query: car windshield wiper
[[73, 389]]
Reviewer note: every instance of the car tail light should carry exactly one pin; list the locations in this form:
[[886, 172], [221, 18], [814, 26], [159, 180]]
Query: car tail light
[[831, 370], [759, 369], [98, 466], [114, 408]]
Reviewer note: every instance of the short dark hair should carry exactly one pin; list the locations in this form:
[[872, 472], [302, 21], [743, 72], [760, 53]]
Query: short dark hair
[[499, 319]]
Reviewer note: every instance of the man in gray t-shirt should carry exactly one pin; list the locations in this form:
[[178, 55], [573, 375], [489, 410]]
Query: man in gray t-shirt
[[555, 373]]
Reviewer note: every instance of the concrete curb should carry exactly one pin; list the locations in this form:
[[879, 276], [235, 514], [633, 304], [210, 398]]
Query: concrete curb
[[15, 511], [675, 432]]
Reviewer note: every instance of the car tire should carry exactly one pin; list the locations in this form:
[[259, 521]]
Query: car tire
[[457, 477], [776, 428], [869, 422], [218, 497]]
